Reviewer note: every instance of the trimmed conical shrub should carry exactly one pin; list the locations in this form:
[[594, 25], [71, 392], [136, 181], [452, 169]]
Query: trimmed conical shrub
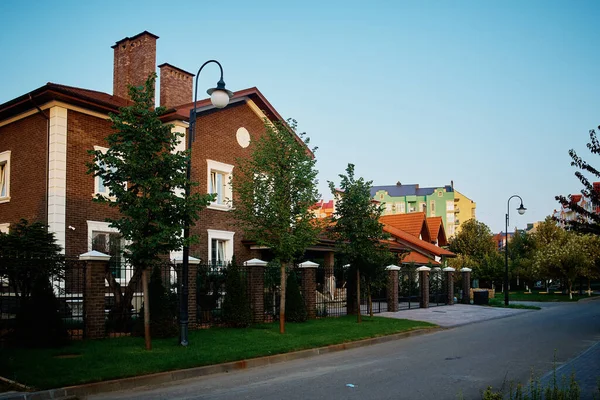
[[295, 309], [236, 305]]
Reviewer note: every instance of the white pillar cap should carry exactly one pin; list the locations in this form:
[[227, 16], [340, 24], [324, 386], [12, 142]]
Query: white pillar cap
[[94, 256], [308, 264], [255, 262], [392, 268], [423, 269], [191, 260], [449, 269], [466, 270]]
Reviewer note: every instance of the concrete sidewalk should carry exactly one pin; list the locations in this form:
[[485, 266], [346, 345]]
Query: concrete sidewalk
[[455, 315]]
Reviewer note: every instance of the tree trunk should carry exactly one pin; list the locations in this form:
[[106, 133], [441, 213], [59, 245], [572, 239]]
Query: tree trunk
[[282, 300], [147, 338], [358, 319], [570, 288], [589, 287]]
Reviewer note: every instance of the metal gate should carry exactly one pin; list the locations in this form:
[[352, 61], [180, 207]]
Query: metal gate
[[408, 287]]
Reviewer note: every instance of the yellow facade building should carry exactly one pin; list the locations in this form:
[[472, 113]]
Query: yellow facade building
[[464, 210]]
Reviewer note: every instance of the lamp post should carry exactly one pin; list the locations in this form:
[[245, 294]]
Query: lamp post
[[219, 97], [521, 211]]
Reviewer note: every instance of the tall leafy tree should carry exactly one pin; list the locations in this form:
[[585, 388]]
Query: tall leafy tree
[[276, 187], [568, 256], [145, 176], [475, 244], [357, 230], [588, 220]]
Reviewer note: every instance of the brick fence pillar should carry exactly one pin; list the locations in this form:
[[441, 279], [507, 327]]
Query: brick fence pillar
[[309, 287], [93, 300], [424, 286], [256, 288], [193, 263], [449, 285], [392, 287], [466, 285]]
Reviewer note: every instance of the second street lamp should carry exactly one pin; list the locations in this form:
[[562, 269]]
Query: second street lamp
[[521, 211], [219, 97]]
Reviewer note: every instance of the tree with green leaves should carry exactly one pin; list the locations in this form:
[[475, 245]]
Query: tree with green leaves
[[357, 230], [276, 187], [520, 256], [588, 219], [475, 244], [145, 176], [568, 256]]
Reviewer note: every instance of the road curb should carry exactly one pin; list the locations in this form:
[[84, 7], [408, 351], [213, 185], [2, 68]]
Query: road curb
[[81, 391]]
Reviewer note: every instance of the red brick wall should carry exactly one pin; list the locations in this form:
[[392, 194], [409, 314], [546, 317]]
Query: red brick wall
[[83, 133], [27, 141], [216, 140]]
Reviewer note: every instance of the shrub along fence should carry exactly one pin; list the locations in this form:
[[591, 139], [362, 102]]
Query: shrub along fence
[[97, 297], [33, 300]]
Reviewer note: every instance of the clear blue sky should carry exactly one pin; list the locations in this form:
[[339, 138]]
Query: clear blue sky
[[490, 94]]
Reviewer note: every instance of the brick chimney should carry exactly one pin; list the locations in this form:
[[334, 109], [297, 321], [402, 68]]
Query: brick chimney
[[135, 59], [175, 86]]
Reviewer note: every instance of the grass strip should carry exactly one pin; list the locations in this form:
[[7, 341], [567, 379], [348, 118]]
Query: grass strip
[[541, 296], [98, 360]]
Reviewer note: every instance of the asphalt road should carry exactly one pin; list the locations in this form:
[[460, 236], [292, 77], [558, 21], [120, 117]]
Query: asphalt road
[[453, 364]]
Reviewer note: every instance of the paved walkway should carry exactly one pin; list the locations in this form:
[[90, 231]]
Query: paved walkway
[[455, 315]]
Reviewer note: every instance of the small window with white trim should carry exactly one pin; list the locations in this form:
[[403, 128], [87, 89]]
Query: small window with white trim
[[220, 247], [108, 240], [219, 177], [100, 187], [4, 176]]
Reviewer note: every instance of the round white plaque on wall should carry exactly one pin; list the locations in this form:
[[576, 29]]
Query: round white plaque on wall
[[243, 137]]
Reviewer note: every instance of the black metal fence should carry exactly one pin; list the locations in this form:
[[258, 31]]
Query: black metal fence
[[408, 288], [20, 294], [124, 295], [331, 291], [438, 295]]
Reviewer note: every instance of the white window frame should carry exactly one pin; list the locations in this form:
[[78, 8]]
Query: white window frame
[[5, 228], [227, 236], [400, 208], [97, 180], [227, 171], [98, 226], [5, 160]]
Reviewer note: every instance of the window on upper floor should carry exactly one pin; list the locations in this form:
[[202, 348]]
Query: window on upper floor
[[100, 186], [388, 208], [219, 177], [400, 208], [4, 176]]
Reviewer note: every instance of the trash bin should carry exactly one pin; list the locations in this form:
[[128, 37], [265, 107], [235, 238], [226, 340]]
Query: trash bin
[[481, 297]]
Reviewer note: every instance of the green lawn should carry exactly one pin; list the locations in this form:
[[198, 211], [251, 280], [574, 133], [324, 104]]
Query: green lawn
[[540, 296], [496, 302], [91, 361]]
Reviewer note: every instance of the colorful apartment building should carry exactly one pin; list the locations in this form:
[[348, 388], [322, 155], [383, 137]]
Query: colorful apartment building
[[405, 199], [566, 214], [464, 210]]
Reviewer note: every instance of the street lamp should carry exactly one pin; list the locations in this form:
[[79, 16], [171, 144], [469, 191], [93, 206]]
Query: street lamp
[[219, 97], [521, 211]]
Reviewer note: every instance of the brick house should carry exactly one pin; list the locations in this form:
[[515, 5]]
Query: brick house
[[45, 136]]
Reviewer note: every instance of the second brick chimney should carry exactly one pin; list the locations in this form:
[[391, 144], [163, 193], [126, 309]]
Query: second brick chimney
[[135, 60], [175, 86]]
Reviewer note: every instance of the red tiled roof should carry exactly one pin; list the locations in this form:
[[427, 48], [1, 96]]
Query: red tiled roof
[[415, 243], [418, 258], [436, 230], [412, 223]]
